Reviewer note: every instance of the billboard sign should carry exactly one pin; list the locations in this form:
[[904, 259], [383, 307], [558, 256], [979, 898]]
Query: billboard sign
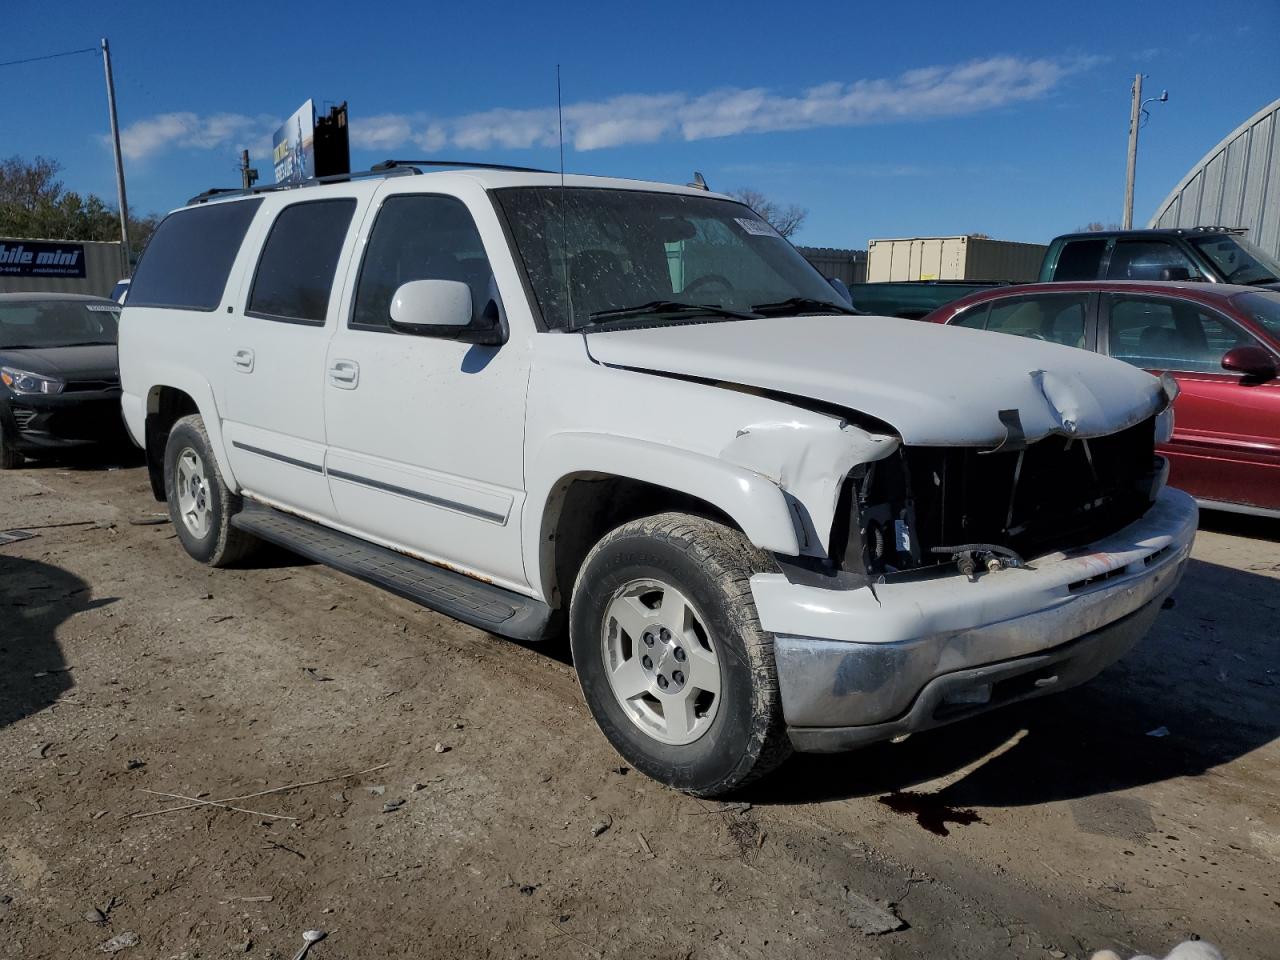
[[293, 146], [40, 258]]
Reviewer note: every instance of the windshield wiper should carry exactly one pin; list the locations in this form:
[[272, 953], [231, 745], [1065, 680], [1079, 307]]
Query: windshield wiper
[[1260, 281], [804, 305], [669, 306], [88, 343]]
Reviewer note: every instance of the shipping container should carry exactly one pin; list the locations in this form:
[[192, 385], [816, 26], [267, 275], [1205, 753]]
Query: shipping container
[[59, 266], [952, 258]]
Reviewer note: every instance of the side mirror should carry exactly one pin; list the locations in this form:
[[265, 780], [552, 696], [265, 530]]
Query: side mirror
[[841, 288], [1175, 273], [1251, 362], [442, 308]]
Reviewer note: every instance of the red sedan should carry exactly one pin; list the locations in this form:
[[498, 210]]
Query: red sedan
[[1220, 342]]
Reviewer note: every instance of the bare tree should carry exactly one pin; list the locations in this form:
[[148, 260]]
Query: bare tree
[[786, 220], [27, 184]]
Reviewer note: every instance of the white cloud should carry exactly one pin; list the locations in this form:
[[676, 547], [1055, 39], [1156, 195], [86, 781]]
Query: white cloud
[[231, 131], [926, 93]]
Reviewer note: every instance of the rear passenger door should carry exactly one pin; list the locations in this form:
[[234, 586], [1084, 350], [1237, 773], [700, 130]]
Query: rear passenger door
[[426, 434], [273, 359], [1217, 452]]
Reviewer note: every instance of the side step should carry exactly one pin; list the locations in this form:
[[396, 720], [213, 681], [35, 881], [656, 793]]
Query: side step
[[473, 602]]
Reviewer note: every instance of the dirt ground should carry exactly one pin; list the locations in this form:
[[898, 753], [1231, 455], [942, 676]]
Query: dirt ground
[[499, 823]]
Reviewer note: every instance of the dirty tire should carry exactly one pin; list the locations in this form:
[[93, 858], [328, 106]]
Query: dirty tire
[[221, 545], [9, 457], [711, 565]]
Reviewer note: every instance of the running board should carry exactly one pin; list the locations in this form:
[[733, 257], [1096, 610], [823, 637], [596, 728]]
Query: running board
[[473, 602]]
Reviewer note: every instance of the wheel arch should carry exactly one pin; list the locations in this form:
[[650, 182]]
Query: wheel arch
[[166, 404], [602, 481]]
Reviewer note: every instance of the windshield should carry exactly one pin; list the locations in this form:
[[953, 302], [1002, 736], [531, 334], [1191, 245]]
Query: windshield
[[1264, 308], [57, 323], [1238, 260], [595, 256]]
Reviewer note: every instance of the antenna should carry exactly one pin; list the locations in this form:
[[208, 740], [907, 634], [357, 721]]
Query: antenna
[[564, 234]]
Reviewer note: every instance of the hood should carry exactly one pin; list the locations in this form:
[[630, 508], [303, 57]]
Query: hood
[[97, 362], [936, 385]]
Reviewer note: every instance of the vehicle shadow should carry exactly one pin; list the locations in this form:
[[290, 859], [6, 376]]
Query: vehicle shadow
[[35, 598], [106, 457], [1208, 674]]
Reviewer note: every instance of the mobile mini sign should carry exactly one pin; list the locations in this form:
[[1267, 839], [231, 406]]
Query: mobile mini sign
[[37, 258]]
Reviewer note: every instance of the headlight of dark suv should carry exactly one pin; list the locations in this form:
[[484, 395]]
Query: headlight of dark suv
[[23, 382]]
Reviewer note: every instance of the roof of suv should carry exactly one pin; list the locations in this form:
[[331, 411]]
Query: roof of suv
[[488, 176]]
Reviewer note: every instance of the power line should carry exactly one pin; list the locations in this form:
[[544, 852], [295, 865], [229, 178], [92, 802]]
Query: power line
[[51, 56]]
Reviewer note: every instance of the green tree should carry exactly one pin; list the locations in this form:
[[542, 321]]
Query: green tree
[[35, 205]]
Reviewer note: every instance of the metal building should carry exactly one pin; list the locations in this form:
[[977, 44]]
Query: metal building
[[59, 266], [1237, 184]]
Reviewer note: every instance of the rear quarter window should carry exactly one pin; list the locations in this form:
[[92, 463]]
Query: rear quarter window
[[189, 258]]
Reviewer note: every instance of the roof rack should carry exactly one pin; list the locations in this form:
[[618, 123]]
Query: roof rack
[[394, 164], [387, 168]]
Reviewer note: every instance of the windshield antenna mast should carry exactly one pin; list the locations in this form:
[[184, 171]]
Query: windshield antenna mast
[[564, 237]]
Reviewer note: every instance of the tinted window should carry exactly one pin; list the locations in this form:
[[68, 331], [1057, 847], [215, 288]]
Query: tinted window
[[1080, 260], [1238, 260], [975, 318], [1058, 318], [422, 238], [1159, 334], [295, 271], [56, 323], [1145, 259], [188, 259]]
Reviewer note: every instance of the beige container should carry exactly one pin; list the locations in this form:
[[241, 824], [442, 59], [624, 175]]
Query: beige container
[[952, 258]]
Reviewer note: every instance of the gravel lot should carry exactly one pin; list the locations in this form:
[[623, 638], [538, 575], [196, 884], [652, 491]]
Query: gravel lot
[[499, 823]]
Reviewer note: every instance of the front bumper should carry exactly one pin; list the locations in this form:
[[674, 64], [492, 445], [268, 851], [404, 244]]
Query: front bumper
[[80, 418], [856, 666]]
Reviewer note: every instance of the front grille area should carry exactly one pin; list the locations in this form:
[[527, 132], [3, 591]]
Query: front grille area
[[1055, 494], [80, 386]]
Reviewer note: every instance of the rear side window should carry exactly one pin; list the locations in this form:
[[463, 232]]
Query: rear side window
[[295, 271], [1146, 260], [975, 318], [1080, 260], [187, 262], [1056, 319]]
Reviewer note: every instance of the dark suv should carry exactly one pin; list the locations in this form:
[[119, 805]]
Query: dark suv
[[1215, 254]]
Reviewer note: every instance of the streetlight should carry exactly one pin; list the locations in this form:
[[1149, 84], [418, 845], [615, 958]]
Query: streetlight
[[1136, 115]]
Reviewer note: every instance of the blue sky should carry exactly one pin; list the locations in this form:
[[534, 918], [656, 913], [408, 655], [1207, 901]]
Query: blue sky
[[883, 120]]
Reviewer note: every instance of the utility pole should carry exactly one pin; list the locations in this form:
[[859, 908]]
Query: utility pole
[[1135, 112], [248, 175], [115, 143]]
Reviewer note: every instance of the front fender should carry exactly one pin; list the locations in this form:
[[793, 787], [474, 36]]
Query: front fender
[[754, 502]]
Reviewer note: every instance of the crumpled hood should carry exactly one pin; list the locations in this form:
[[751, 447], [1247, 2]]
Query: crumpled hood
[[936, 385]]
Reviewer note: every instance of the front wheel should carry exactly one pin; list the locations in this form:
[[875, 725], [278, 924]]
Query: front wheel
[[672, 659], [200, 505]]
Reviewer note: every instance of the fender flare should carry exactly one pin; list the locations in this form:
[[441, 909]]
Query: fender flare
[[754, 502], [199, 390]]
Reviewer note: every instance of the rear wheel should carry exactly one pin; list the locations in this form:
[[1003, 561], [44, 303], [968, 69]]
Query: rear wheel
[[200, 505], [671, 656]]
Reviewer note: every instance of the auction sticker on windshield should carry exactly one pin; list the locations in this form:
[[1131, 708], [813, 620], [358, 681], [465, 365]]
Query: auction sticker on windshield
[[757, 228]]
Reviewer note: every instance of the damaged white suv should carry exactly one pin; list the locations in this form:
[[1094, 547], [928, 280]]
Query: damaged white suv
[[633, 410]]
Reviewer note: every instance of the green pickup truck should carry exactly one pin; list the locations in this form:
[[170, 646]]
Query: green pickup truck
[[913, 299]]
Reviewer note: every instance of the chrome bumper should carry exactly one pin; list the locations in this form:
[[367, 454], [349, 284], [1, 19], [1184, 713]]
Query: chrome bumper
[[855, 667]]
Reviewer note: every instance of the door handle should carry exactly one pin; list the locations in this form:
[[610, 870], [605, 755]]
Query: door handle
[[243, 360], [344, 374]]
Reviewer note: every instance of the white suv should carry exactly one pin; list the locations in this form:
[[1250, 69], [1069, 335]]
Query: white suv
[[634, 411]]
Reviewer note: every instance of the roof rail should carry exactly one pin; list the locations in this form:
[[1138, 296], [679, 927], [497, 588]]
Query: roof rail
[[386, 165], [387, 168], [220, 193]]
